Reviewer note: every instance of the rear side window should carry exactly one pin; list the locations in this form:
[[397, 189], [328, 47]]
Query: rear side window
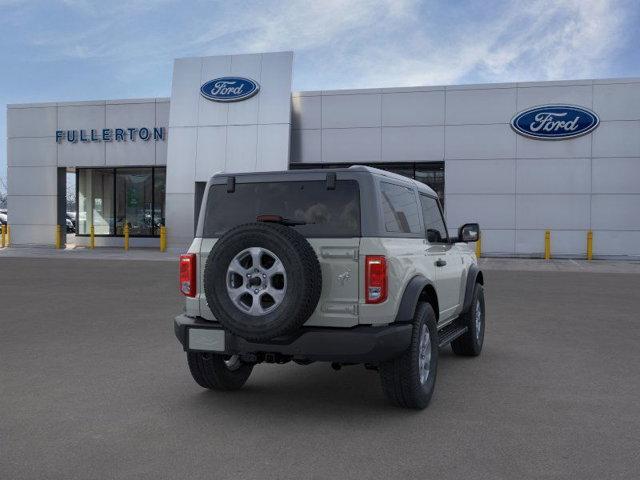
[[327, 213], [399, 209]]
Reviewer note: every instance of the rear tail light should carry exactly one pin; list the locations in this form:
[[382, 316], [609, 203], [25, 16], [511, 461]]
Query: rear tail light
[[375, 279], [188, 274]]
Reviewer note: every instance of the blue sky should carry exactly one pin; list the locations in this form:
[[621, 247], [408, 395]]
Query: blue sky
[[96, 49]]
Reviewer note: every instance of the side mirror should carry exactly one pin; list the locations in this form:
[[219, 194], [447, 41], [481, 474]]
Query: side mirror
[[469, 232]]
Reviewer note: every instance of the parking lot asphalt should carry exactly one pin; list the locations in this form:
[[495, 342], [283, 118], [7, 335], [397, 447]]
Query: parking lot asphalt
[[94, 385]]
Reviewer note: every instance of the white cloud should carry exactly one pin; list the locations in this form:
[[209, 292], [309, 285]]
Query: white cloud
[[363, 43], [542, 40]]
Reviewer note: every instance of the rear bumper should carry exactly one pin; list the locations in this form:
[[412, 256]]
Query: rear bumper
[[361, 344]]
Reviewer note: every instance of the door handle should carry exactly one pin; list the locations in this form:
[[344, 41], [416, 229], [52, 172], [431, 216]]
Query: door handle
[[440, 263]]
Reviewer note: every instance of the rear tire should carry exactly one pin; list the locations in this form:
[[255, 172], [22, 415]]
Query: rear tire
[[470, 344], [218, 372], [403, 379]]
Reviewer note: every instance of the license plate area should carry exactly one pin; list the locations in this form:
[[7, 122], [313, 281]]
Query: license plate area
[[206, 340]]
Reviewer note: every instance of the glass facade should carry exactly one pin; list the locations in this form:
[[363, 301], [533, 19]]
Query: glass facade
[[431, 173], [110, 198]]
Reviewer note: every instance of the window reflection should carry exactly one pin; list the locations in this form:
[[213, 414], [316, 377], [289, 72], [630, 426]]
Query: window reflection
[[429, 173], [159, 190], [111, 198], [95, 201], [134, 193]]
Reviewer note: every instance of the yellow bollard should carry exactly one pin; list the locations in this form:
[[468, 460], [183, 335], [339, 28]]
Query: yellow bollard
[[163, 238], [58, 237], [589, 245], [92, 237], [479, 246], [547, 244], [126, 237], [3, 235], [8, 235]]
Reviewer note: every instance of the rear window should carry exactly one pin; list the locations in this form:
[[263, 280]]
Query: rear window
[[327, 213]]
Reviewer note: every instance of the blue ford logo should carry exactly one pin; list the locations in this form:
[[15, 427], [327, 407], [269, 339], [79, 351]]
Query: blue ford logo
[[229, 89], [555, 122]]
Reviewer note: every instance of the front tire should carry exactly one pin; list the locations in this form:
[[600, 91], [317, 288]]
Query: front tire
[[218, 372], [408, 381], [470, 344]]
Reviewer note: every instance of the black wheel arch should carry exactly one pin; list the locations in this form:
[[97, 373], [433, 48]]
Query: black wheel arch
[[419, 288], [473, 276]]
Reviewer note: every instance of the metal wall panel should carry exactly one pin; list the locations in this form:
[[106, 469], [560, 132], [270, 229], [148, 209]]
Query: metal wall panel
[[32, 122], [617, 139], [406, 109], [32, 180], [273, 146], [531, 95], [412, 144], [32, 152], [242, 148], [351, 111], [480, 176], [274, 98], [617, 101], [162, 120], [552, 211], [575, 148], [616, 175], [306, 146], [181, 171], [185, 92], [495, 212], [306, 111], [615, 212], [496, 105], [479, 141], [557, 175], [351, 145], [210, 154]]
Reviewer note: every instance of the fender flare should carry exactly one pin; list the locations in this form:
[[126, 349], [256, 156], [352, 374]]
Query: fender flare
[[472, 279], [410, 298]]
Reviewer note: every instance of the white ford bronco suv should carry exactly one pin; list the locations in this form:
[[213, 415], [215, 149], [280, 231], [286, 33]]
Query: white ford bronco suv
[[348, 265]]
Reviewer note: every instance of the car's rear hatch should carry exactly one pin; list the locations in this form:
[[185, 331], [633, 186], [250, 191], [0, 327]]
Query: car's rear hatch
[[328, 216]]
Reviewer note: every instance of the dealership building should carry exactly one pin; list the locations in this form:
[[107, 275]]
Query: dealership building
[[518, 158]]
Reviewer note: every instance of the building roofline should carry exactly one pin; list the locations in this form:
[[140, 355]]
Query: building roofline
[[116, 101], [471, 86]]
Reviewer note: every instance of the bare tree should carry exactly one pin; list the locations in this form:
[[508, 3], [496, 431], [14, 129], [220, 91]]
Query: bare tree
[[3, 193]]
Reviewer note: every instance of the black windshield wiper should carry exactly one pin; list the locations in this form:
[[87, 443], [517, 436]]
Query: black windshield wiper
[[279, 219]]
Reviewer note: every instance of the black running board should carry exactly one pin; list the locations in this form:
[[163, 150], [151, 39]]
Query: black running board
[[450, 333]]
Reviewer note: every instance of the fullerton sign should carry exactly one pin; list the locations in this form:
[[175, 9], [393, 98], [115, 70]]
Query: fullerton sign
[[555, 122], [111, 135]]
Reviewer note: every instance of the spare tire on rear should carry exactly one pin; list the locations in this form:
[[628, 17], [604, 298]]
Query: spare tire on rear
[[262, 280]]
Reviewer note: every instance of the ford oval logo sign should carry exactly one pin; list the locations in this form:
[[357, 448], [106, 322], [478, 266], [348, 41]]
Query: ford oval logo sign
[[229, 89], [555, 122]]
